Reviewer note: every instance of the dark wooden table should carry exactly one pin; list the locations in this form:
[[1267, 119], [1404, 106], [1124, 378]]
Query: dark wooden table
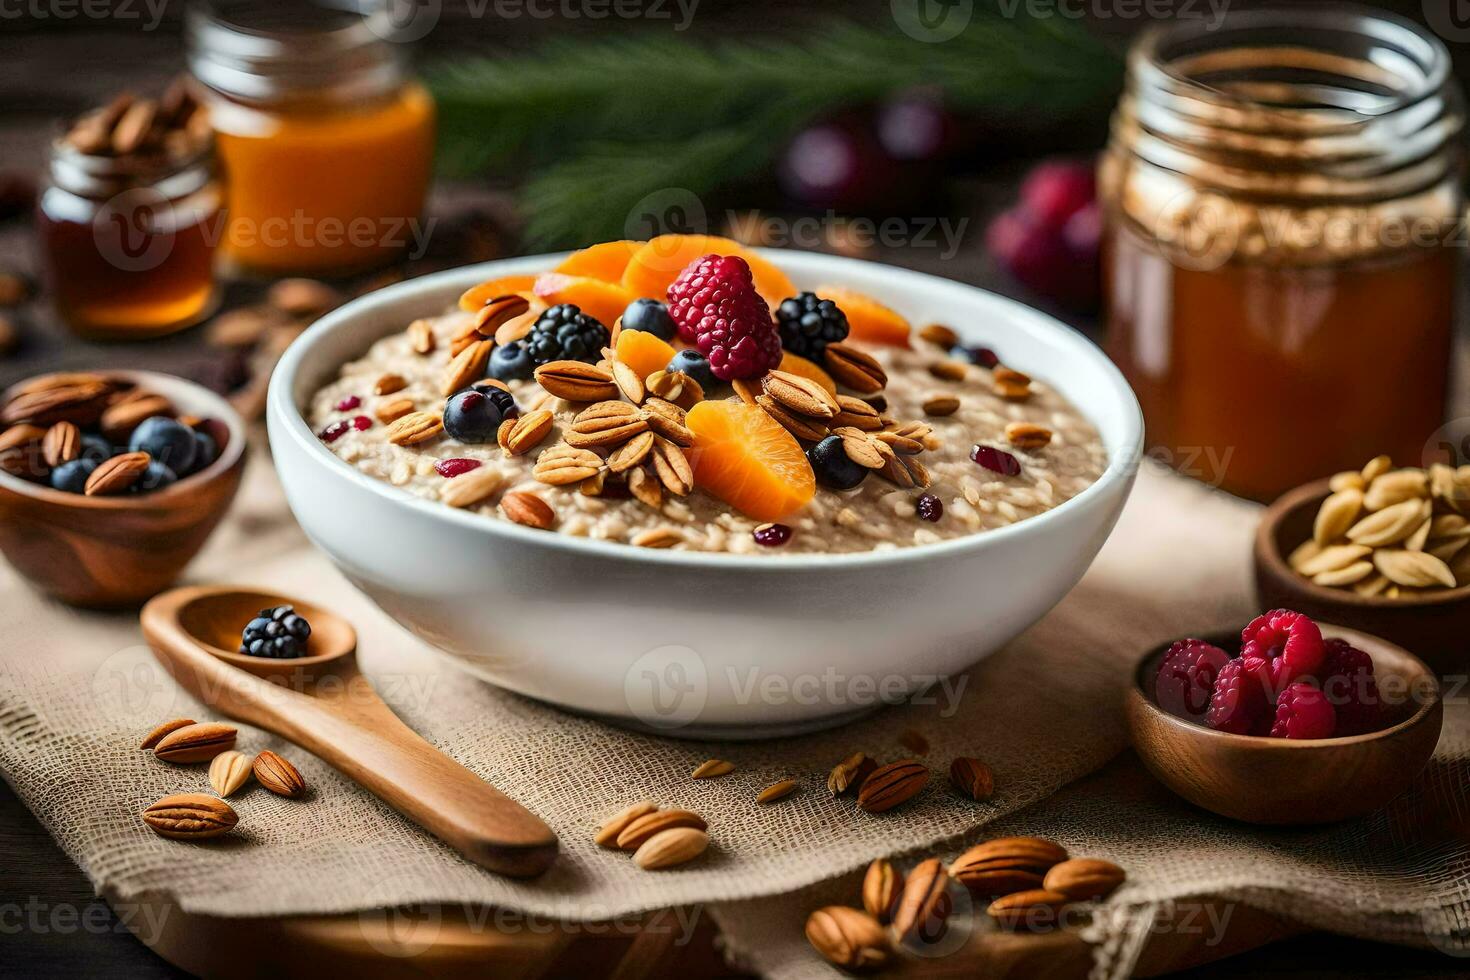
[[50, 922]]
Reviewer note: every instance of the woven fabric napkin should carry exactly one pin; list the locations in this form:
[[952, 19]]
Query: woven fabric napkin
[[78, 689]]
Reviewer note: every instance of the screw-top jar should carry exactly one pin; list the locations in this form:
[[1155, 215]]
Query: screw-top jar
[[327, 140], [1282, 210]]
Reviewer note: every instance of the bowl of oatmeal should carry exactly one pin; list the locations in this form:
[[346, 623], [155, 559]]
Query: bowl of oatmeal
[[607, 516]]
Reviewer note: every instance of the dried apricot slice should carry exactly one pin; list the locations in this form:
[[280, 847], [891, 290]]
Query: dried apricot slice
[[643, 352], [659, 262], [745, 458], [798, 365], [605, 261], [604, 301], [475, 296], [869, 319]]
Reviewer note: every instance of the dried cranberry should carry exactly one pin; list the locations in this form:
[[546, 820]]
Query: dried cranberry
[[772, 535], [361, 423], [349, 403], [996, 460], [451, 468], [334, 431], [983, 356], [930, 507]]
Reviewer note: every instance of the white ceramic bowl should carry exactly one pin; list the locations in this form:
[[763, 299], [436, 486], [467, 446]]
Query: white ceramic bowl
[[703, 645]]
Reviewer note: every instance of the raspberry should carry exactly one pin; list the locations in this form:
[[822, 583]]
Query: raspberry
[[1288, 637], [1186, 678], [1239, 698], [1302, 711], [1346, 677], [716, 308]]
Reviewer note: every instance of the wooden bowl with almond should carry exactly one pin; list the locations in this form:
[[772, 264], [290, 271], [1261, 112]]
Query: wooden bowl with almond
[[123, 531], [1430, 622]]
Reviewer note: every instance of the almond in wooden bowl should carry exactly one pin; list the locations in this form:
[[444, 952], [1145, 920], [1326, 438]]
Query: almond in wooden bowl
[[114, 550], [1432, 623], [1288, 781]]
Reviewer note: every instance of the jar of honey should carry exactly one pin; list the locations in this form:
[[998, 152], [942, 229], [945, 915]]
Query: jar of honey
[[327, 141], [1281, 240], [127, 235]]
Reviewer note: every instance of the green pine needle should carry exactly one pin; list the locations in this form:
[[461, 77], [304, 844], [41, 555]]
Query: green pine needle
[[599, 124]]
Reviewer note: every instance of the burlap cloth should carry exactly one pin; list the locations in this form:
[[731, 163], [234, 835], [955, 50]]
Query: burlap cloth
[[78, 689]]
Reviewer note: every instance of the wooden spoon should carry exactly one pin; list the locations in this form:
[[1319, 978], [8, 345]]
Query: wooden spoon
[[322, 703]]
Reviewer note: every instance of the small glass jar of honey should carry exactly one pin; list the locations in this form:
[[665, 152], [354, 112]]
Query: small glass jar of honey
[[327, 140], [1281, 238], [128, 221]]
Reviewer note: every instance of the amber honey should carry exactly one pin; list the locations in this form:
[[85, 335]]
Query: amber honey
[[1281, 244], [327, 141]]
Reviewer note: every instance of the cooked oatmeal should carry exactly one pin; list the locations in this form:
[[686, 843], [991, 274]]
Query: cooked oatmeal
[[877, 515]]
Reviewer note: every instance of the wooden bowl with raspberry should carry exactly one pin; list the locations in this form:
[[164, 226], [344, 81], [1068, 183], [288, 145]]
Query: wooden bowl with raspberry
[[1239, 730]]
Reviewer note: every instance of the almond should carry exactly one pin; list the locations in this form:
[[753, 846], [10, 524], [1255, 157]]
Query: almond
[[628, 382], [854, 368], [801, 426], [415, 428], [155, 736], [607, 423], [863, 449], [668, 420], [467, 367], [1415, 569], [924, 906], [801, 395], [1391, 524], [562, 465], [670, 848], [190, 816], [576, 381], [848, 938], [646, 488], [421, 336], [122, 417], [244, 327], [674, 386], [195, 743], [529, 510], [1081, 879], [278, 775], [1395, 488], [388, 384], [61, 444], [1330, 559], [494, 314], [847, 777], [1347, 480], [856, 413], [712, 769], [941, 405], [631, 453], [519, 436], [1036, 910], [640, 829], [302, 297], [1337, 513], [939, 335], [1028, 435], [607, 834], [229, 771], [972, 777], [116, 475], [516, 328], [656, 537], [892, 785], [44, 405], [672, 467], [472, 488], [394, 409], [133, 126], [776, 791], [882, 888], [1006, 864], [21, 452], [949, 370], [1374, 468]]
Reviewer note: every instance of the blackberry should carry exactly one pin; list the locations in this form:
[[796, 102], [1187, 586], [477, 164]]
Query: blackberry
[[565, 333], [809, 323], [278, 633]]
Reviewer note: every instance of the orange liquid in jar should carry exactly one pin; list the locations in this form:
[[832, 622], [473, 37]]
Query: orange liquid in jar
[[1260, 377], [325, 190]]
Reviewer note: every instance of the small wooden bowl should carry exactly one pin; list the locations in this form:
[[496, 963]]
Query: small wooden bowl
[[1432, 625], [117, 552], [1285, 781]]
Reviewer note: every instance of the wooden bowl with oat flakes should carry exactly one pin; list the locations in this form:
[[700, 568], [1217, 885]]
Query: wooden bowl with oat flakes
[[117, 551], [1432, 624]]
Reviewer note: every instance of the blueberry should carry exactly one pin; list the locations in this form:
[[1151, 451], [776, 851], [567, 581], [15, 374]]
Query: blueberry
[[832, 466], [279, 633], [650, 316], [167, 441], [96, 448], [696, 365], [474, 415], [156, 477], [206, 451], [511, 362], [72, 477]]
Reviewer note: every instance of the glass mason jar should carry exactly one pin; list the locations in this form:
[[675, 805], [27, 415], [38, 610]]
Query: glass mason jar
[[326, 138], [127, 243], [1280, 250]]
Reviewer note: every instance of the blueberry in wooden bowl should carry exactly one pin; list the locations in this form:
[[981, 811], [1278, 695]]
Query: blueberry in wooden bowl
[[111, 481]]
